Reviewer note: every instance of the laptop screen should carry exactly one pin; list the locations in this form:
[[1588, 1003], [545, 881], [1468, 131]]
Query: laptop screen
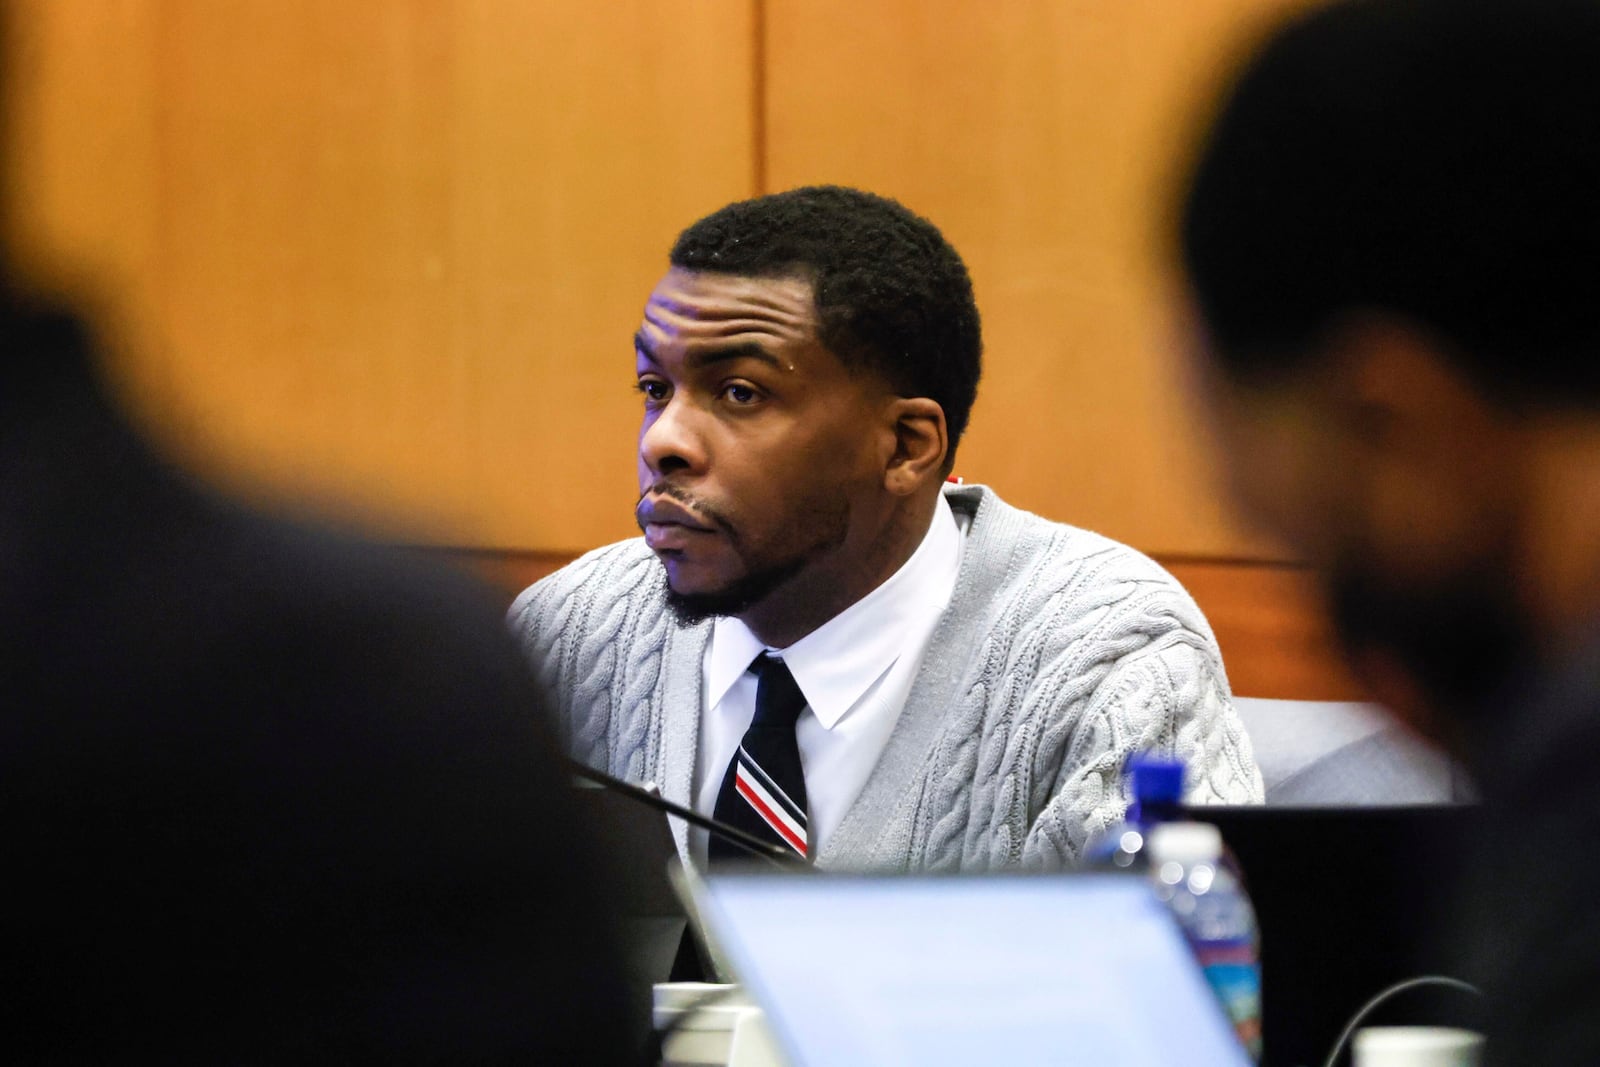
[[1014, 969]]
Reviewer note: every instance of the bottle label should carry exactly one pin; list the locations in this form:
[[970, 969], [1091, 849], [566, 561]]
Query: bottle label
[[1235, 976]]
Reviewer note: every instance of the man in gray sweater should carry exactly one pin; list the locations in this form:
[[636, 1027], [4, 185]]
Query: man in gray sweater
[[820, 640]]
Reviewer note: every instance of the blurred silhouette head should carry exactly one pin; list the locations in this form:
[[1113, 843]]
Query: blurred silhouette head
[[1392, 239]]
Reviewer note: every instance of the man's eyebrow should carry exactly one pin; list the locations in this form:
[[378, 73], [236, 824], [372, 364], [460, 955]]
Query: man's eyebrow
[[641, 346], [707, 357], [710, 356]]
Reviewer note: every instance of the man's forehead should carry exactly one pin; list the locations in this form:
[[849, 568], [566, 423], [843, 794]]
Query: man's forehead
[[705, 304]]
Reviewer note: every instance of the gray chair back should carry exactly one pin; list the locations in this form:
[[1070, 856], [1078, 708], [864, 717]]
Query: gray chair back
[[1317, 752]]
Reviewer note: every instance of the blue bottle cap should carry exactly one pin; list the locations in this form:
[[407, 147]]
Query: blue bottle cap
[[1156, 779]]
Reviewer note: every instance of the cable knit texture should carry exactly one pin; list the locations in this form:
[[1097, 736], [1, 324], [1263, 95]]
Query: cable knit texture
[[1061, 653]]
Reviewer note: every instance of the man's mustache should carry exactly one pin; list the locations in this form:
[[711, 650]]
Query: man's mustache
[[701, 511]]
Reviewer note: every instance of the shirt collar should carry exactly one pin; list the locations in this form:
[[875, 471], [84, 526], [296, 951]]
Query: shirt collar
[[836, 663]]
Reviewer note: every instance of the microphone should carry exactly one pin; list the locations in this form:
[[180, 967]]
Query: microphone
[[775, 854]]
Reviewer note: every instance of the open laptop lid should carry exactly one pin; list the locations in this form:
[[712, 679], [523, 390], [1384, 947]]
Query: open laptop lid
[[1014, 969]]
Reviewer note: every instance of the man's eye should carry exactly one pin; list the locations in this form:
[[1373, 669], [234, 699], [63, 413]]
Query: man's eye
[[652, 389], [741, 394]]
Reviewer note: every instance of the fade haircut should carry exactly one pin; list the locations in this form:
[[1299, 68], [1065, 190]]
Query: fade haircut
[[892, 296], [1436, 160]]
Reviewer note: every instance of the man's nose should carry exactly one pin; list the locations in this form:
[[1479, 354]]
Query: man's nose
[[671, 440]]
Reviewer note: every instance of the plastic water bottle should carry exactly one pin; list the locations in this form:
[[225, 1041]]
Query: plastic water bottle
[[1204, 892], [1156, 785]]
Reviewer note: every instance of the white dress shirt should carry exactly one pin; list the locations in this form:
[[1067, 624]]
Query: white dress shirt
[[855, 670]]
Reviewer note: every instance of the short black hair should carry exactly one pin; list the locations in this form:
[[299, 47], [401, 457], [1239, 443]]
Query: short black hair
[[1437, 160], [892, 295]]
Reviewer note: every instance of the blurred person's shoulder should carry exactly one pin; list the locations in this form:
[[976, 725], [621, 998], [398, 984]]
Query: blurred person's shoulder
[[310, 798]]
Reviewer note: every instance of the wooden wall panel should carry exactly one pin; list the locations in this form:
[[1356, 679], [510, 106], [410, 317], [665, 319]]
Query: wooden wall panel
[[392, 250], [1039, 136]]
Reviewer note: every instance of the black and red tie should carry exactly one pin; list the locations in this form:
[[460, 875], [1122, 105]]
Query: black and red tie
[[764, 789]]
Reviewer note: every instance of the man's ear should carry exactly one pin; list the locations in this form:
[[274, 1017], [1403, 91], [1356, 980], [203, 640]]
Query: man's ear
[[921, 442]]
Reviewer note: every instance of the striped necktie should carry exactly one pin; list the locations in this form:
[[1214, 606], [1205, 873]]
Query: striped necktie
[[764, 789]]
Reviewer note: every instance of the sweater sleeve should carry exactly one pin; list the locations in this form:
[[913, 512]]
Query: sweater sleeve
[[1159, 685]]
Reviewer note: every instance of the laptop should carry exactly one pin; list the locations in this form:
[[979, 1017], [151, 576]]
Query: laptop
[[926, 969]]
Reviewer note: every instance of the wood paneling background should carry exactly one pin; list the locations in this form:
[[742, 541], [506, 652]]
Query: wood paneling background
[[391, 252]]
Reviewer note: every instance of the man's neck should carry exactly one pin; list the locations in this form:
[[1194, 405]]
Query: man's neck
[[830, 585]]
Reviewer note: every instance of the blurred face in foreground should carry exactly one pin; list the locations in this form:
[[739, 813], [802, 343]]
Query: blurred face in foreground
[[1400, 483]]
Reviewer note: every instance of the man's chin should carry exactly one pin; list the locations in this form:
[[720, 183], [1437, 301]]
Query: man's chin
[[733, 598], [692, 608]]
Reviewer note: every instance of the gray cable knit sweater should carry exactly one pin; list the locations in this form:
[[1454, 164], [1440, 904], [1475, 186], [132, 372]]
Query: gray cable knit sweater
[[1061, 653]]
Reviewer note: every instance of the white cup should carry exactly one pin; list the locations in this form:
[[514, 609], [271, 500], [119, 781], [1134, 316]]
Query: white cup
[[1417, 1046]]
